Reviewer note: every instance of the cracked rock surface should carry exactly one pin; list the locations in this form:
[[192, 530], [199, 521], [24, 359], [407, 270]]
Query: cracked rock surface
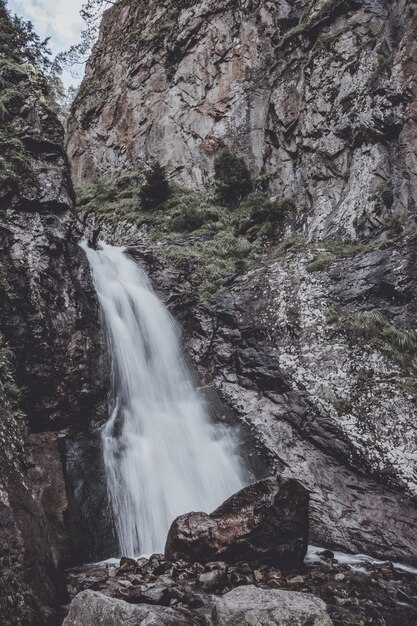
[[318, 95]]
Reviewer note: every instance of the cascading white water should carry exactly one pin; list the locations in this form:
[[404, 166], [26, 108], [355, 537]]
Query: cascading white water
[[163, 456]]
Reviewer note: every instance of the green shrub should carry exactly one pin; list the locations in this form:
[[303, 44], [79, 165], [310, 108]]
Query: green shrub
[[292, 243], [258, 214], [213, 260], [188, 220], [347, 247], [320, 263], [280, 208], [394, 222], [374, 329], [232, 178], [343, 406], [382, 66], [155, 189]]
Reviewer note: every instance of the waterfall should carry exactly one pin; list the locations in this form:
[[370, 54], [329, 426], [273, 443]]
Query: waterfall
[[163, 456]]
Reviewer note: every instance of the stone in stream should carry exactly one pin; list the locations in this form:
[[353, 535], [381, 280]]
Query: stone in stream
[[249, 605], [91, 608], [266, 522]]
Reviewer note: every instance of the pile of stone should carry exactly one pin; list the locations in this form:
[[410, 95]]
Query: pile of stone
[[243, 564]]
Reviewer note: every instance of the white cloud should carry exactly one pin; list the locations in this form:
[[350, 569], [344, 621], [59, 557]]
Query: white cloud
[[58, 19]]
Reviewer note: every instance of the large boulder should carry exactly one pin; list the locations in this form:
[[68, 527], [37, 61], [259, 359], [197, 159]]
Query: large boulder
[[269, 607], [91, 608], [266, 522]]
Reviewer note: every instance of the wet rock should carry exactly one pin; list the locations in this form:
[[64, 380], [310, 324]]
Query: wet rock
[[95, 609], [265, 522], [235, 579], [297, 580], [212, 582], [90, 518], [216, 565], [251, 605], [128, 563], [47, 477], [155, 594], [350, 595], [188, 596], [327, 554], [48, 320]]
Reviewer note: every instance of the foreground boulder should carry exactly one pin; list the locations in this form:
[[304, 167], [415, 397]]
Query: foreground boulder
[[251, 605], [91, 608], [243, 606], [266, 522]]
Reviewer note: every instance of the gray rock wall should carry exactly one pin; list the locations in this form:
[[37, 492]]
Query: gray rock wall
[[49, 351], [318, 95], [266, 346]]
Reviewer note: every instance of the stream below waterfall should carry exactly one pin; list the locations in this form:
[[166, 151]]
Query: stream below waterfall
[[163, 455]]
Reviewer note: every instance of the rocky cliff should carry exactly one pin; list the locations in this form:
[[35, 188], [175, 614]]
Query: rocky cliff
[[312, 345], [307, 338], [49, 343], [318, 95]]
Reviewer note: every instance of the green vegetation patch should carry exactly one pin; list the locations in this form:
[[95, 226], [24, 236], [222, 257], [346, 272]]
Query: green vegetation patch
[[382, 67], [320, 263], [346, 247], [216, 240], [112, 200], [214, 260], [25, 72], [377, 331], [293, 243]]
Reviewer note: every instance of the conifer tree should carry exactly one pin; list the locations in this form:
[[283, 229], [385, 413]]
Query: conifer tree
[[156, 189], [232, 177]]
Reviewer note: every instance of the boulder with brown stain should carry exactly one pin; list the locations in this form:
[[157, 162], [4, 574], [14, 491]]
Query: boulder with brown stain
[[266, 522]]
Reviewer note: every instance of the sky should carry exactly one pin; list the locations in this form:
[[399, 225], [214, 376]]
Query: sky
[[58, 19]]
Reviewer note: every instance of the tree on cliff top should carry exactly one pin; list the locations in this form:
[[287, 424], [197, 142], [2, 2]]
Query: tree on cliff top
[[232, 178], [24, 54], [91, 12], [19, 41], [156, 188]]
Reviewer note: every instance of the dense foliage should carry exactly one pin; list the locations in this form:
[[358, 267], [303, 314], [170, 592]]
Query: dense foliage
[[224, 241], [25, 71], [233, 178], [155, 189], [30, 57], [19, 42]]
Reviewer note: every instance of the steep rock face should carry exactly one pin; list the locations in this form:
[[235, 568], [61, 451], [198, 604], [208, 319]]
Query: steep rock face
[[49, 348], [319, 406], [317, 94], [48, 301], [310, 348], [28, 580]]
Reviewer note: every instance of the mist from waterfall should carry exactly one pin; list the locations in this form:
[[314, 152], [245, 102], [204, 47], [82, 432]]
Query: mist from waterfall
[[163, 455]]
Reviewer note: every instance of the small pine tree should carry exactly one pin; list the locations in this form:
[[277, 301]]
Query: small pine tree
[[232, 177], [156, 189]]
